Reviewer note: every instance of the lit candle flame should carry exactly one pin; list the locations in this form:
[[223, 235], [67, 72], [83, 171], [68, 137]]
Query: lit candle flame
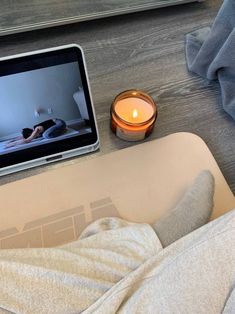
[[135, 113]]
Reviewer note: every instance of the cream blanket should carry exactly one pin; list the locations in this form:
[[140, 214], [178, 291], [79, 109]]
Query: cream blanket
[[121, 267]]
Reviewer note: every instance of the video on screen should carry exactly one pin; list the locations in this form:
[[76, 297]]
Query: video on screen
[[42, 106]]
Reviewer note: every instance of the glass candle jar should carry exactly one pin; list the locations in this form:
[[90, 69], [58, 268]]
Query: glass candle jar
[[133, 114]]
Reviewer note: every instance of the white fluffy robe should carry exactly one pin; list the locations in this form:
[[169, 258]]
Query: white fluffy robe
[[120, 267]]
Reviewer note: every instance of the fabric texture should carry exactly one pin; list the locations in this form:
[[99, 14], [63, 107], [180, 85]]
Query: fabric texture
[[210, 53], [192, 212], [70, 278], [121, 267]]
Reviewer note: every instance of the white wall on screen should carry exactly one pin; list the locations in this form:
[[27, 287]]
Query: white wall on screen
[[45, 90]]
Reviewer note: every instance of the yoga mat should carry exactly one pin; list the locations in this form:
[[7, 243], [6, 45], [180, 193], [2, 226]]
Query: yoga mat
[[138, 184]]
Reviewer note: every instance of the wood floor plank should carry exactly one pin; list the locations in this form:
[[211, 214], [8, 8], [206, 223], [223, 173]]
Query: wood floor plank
[[21, 15]]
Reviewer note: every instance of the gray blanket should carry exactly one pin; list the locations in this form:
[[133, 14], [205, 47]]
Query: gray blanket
[[210, 52]]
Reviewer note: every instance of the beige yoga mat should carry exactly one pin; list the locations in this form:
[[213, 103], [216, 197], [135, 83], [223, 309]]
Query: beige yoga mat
[[138, 184]]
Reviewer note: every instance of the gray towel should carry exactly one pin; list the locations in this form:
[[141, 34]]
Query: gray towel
[[210, 52]]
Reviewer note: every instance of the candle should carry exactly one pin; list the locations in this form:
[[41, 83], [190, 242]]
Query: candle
[[133, 114]]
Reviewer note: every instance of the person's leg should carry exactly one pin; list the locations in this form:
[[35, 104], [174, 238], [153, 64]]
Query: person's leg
[[71, 278], [193, 275], [192, 212], [56, 130]]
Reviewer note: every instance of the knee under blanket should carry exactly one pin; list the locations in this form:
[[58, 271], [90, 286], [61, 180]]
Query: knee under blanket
[[210, 53], [121, 267]]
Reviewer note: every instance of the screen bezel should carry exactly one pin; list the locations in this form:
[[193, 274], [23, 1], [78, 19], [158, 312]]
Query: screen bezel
[[36, 60]]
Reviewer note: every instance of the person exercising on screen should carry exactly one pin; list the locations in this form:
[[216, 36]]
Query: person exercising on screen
[[46, 129]]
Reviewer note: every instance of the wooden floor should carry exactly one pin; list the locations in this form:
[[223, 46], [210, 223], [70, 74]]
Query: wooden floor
[[16, 15], [146, 51]]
